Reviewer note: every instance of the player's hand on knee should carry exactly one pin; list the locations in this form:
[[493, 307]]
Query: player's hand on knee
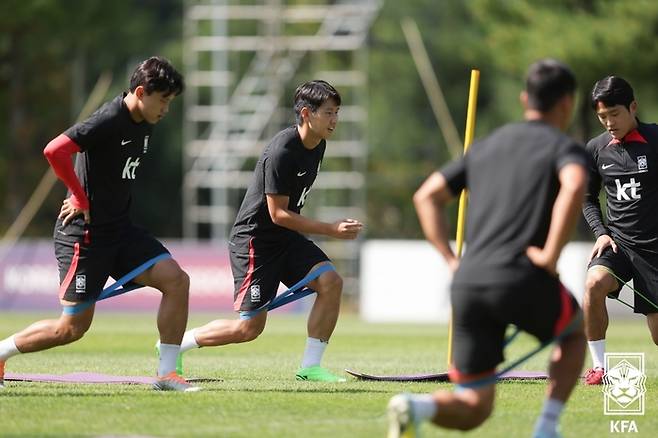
[[602, 243]]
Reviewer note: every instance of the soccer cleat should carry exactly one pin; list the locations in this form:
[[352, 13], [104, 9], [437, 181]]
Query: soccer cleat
[[317, 374], [594, 376], [401, 422], [174, 382], [2, 374], [179, 359]]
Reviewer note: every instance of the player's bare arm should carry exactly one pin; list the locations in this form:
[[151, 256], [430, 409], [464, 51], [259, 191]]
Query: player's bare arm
[[277, 205], [429, 201], [566, 209]]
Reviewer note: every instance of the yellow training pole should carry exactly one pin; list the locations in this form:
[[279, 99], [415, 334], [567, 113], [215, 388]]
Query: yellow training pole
[[463, 197]]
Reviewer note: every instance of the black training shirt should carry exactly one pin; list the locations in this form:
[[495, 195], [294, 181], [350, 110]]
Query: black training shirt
[[113, 147], [628, 172], [287, 168], [512, 179]]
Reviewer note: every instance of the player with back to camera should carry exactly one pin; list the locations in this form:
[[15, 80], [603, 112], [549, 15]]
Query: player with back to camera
[[94, 236], [266, 243], [526, 183], [624, 161]]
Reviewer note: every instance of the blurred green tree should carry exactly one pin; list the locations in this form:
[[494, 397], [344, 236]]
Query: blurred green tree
[[500, 38]]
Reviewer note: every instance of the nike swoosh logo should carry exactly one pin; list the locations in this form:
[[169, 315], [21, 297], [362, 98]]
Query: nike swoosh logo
[[125, 142], [606, 166], [301, 173]]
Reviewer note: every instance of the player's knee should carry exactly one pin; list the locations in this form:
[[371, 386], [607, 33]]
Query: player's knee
[[598, 285], [248, 332], [182, 281], [332, 284], [478, 414], [177, 282]]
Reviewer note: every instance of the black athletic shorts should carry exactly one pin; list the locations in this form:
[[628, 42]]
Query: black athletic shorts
[[630, 266], [84, 266], [538, 304], [259, 266]]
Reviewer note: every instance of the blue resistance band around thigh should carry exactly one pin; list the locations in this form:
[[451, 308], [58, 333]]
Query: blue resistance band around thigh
[[291, 294], [117, 287]]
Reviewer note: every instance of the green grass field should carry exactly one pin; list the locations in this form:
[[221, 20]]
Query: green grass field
[[259, 397]]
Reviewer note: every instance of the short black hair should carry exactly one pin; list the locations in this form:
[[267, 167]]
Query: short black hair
[[313, 94], [547, 81], [156, 74], [611, 91]]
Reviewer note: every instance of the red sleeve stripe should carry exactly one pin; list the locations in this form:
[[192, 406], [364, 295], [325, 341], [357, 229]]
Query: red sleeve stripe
[[58, 153]]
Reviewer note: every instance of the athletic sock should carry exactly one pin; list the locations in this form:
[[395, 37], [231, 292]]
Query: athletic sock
[[313, 352], [549, 418], [423, 406], [597, 351], [8, 348], [189, 341], [168, 355]]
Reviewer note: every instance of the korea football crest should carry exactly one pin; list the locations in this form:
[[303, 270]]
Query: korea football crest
[[254, 292], [80, 283]]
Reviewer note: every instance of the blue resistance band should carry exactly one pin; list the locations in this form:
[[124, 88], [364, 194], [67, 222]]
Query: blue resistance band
[[117, 287], [291, 294], [494, 378]]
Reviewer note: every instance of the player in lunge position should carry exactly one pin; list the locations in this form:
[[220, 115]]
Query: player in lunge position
[[94, 236], [267, 245]]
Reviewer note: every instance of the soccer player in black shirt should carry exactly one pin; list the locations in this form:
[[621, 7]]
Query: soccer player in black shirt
[[526, 183], [94, 236], [624, 162], [266, 243]]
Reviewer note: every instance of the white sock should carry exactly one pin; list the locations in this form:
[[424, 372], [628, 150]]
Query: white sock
[[313, 352], [423, 406], [168, 355], [597, 351], [8, 348], [549, 417], [189, 341]]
